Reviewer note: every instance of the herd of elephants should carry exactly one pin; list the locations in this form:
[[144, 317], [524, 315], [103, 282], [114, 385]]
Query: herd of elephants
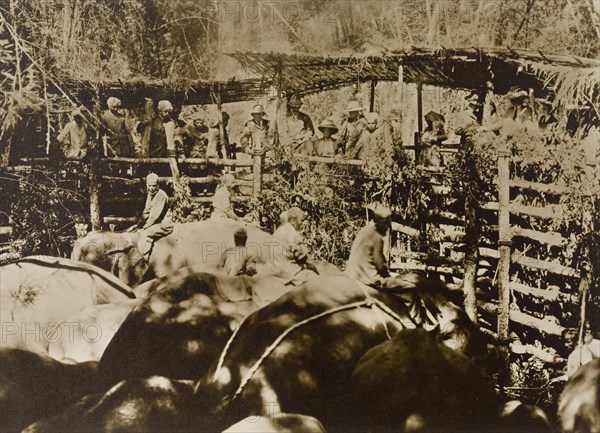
[[105, 342]]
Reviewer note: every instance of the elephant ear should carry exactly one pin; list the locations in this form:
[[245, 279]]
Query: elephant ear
[[431, 294], [117, 250]]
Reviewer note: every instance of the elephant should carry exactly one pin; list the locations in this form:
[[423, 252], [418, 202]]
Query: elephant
[[152, 404], [578, 407], [91, 330], [182, 324], [34, 386], [190, 244], [40, 295], [298, 353]]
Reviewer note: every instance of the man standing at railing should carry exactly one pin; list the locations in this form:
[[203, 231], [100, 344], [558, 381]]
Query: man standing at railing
[[196, 137], [467, 121], [73, 137], [220, 147], [256, 132], [114, 126], [296, 127], [165, 138], [352, 128]]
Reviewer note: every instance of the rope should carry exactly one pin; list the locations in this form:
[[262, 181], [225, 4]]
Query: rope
[[284, 334], [369, 302], [226, 349]]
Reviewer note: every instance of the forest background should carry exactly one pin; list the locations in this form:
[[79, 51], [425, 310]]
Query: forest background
[[181, 40]]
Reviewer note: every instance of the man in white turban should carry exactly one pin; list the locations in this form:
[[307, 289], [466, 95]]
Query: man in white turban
[[118, 135], [165, 133]]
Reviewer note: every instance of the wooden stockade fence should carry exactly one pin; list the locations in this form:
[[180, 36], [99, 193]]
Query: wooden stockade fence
[[507, 272]]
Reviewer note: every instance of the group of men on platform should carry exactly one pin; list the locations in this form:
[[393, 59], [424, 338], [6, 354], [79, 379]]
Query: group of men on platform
[[166, 134], [360, 134]]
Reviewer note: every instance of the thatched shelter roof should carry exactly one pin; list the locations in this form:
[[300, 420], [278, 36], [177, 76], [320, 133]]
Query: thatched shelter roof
[[568, 77], [183, 93]]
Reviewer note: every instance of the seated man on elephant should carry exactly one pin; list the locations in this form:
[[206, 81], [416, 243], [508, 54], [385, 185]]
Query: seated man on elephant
[[367, 262], [239, 260], [289, 256], [155, 222]]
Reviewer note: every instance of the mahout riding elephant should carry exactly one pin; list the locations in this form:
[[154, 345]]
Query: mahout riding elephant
[[579, 404], [182, 324], [152, 404], [40, 295], [190, 244], [34, 386], [298, 353]]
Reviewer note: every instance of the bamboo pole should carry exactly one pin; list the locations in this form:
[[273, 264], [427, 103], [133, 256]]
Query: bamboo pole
[[95, 177], [504, 265], [224, 145], [472, 232], [372, 96]]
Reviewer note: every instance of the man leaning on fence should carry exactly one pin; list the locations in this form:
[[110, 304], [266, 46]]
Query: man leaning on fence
[[296, 127], [256, 134]]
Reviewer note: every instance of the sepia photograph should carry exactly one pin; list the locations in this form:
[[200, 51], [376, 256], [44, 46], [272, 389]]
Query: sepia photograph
[[300, 216]]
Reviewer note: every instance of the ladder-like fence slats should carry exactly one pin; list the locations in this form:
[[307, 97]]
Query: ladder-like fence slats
[[550, 238], [520, 258], [536, 186], [549, 324], [550, 211]]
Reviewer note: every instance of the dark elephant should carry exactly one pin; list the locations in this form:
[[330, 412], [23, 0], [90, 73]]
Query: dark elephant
[[182, 324], [579, 405], [152, 405], [298, 353], [34, 386]]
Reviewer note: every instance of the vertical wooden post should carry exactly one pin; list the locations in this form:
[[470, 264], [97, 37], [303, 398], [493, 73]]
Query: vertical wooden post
[[94, 174], [504, 264], [471, 255], [148, 114], [420, 107], [372, 96], [224, 145], [258, 157], [400, 85], [419, 122], [471, 227], [94, 191]]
